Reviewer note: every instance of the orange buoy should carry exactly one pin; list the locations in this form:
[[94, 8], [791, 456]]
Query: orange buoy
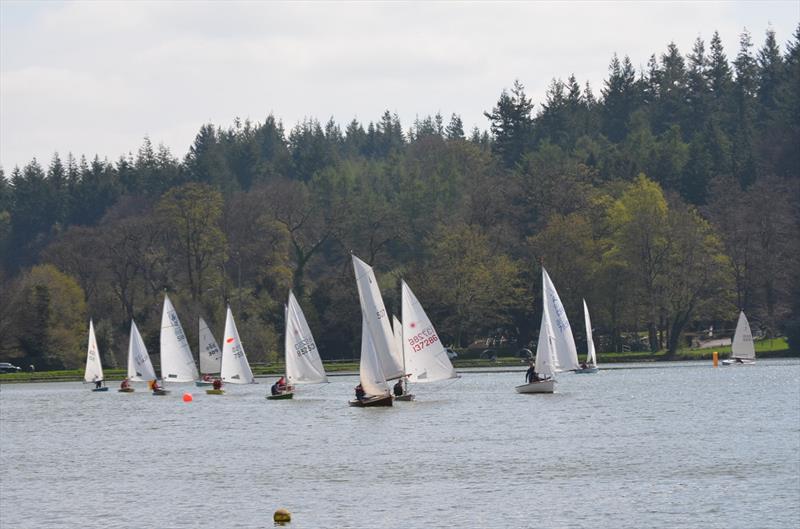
[[715, 358], [187, 397]]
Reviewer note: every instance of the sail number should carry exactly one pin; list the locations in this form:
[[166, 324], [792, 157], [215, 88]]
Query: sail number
[[423, 339], [304, 346]]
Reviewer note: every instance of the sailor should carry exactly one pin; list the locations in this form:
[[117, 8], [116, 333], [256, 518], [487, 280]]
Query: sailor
[[398, 388]]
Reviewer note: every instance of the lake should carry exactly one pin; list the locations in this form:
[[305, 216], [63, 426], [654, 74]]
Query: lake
[[647, 445]]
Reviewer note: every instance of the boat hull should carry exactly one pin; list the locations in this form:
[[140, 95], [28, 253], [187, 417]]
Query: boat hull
[[405, 397], [104, 388], [160, 392], [735, 362], [542, 386], [586, 370], [215, 392], [125, 390], [203, 383], [281, 396], [372, 402]]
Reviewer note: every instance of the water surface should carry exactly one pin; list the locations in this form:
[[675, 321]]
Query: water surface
[[664, 446]]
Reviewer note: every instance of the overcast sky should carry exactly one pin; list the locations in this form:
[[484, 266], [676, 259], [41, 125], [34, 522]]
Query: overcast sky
[[96, 77]]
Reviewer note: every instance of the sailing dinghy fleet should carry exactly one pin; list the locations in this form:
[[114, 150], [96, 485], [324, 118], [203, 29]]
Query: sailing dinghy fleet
[[407, 350]]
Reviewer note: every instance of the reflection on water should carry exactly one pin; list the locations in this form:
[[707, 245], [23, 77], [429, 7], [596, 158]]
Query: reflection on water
[[663, 447]]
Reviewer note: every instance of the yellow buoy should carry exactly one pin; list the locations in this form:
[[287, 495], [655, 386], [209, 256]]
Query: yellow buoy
[[282, 516], [715, 357]]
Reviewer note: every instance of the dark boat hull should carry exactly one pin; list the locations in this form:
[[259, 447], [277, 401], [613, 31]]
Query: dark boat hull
[[372, 402], [281, 396]]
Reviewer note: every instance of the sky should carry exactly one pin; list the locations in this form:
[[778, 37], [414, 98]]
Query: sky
[[97, 77]]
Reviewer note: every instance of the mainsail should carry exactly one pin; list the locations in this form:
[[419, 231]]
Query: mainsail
[[94, 369], [545, 348], [303, 363], [235, 368], [139, 365], [742, 346], [210, 353], [425, 355], [566, 353], [177, 363], [377, 320], [591, 355]]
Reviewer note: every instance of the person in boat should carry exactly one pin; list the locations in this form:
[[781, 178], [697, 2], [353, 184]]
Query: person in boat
[[98, 382], [531, 375], [206, 378], [216, 384], [739, 361], [398, 388], [360, 393], [125, 384], [155, 386], [583, 365]]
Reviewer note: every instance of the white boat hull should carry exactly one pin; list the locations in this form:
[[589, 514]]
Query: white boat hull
[[586, 370], [542, 386], [734, 361]]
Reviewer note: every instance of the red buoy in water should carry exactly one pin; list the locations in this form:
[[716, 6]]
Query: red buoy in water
[[187, 397]]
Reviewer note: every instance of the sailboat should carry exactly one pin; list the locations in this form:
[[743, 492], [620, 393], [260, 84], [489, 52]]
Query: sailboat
[[375, 327], [140, 368], [177, 363], [591, 355], [303, 363], [566, 354], [235, 368], [94, 368], [424, 355], [742, 349], [370, 373], [545, 358], [210, 354]]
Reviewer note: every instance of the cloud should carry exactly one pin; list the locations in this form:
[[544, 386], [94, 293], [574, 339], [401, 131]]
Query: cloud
[[95, 77]]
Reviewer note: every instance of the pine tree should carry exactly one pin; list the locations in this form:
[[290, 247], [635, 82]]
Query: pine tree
[[511, 125]]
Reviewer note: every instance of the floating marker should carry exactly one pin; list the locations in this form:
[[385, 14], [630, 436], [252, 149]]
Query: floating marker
[[187, 397], [282, 516], [715, 358]]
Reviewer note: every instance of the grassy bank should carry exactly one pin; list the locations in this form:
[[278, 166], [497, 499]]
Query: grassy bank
[[775, 348]]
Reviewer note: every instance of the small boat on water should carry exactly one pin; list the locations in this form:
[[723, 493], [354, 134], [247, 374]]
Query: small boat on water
[[591, 355], [303, 363], [160, 391], [210, 355], [177, 362], [215, 392], [94, 368], [743, 351], [372, 381], [140, 368], [546, 358]]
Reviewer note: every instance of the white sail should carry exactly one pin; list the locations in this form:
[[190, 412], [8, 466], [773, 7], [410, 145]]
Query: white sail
[[377, 319], [235, 369], [370, 374], [545, 348], [397, 332], [426, 358], [139, 365], [303, 364], [591, 354], [210, 353], [566, 353], [94, 369], [742, 346], [177, 363]]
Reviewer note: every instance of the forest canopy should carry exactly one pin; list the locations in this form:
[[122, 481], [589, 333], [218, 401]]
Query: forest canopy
[[668, 200]]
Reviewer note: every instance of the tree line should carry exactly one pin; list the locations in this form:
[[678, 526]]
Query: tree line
[[668, 201]]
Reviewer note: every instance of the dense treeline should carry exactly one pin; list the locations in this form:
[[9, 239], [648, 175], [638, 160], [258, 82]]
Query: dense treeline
[[667, 201]]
